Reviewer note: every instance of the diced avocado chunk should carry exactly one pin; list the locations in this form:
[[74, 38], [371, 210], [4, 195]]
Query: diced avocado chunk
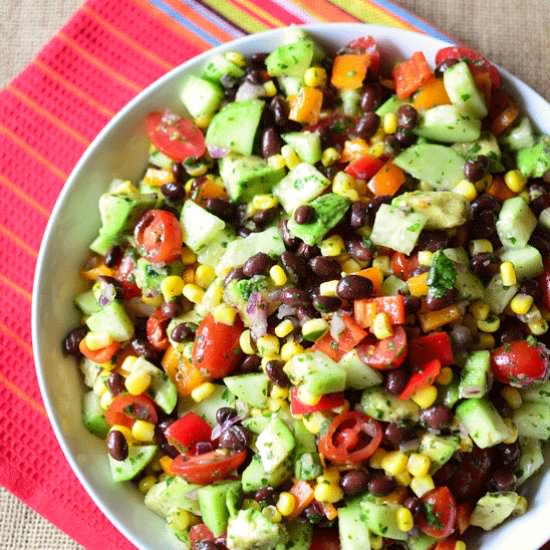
[[250, 388], [381, 519], [516, 222], [439, 448], [275, 444], [199, 226], [446, 124], [497, 295], [93, 416], [171, 494], [306, 144], [307, 463], [527, 261], [301, 185], [251, 530], [87, 303], [531, 459], [201, 97], [534, 161], [234, 127], [300, 536], [449, 394], [245, 177], [256, 424], [161, 389], [486, 145], [290, 59], [358, 375], [213, 507], [352, 527], [329, 211], [112, 319], [255, 477], [439, 166], [474, 380], [206, 409], [482, 422], [443, 209], [218, 66], [382, 405], [533, 420], [138, 458], [493, 508], [397, 229], [463, 92], [520, 136]]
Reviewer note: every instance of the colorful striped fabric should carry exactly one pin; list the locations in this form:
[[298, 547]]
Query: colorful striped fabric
[[106, 54]]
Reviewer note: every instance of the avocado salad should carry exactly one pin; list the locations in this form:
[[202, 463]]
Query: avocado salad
[[320, 318]]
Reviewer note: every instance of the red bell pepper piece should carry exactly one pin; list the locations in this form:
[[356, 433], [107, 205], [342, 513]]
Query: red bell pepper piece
[[411, 75], [364, 167], [421, 379], [327, 402], [188, 430], [329, 347], [365, 310], [348, 339], [424, 349]]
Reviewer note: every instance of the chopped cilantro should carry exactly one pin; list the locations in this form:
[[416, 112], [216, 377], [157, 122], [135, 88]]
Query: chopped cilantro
[[431, 517], [442, 275]]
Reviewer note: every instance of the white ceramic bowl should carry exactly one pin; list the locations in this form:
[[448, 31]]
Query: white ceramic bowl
[[120, 150]]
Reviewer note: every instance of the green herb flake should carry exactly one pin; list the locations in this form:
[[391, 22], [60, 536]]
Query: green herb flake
[[442, 275]]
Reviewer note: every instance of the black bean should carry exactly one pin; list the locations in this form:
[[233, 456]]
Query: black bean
[[235, 274], [254, 75], [288, 238], [445, 473], [503, 479], [381, 485], [220, 207], [436, 417], [170, 309], [407, 116], [263, 217], [392, 145], [367, 125], [405, 137], [113, 256], [330, 96], [307, 251], [532, 288], [434, 302], [485, 202], [358, 214], [375, 204], [472, 474], [203, 447], [296, 266], [258, 58], [180, 175], [326, 304], [314, 513], [414, 505], [271, 142], [173, 190], [484, 225], [396, 380], [395, 434], [304, 214], [541, 242], [117, 445], [295, 297], [474, 170], [412, 303], [225, 413], [461, 338], [305, 313], [354, 482], [508, 455], [143, 348], [485, 264], [257, 264], [539, 204], [354, 287], [444, 65], [546, 176], [180, 333], [274, 369], [433, 240], [250, 363], [372, 97], [265, 495], [116, 383], [72, 341], [279, 109], [325, 268], [236, 438], [358, 250]]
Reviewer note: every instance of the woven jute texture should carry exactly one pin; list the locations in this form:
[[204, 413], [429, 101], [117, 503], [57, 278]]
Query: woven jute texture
[[514, 33]]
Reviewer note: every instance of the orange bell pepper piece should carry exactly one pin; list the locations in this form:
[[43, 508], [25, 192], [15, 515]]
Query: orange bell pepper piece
[[349, 71], [418, 285], [411, 75], [431, 95], [387, 180], [206, 189], [504, 112], [102, 355], [374, 275], [354, 149], [484, 84], [306, 106], [180, 370], [304, 494], [365, 310], [430, 320], [499, 189]]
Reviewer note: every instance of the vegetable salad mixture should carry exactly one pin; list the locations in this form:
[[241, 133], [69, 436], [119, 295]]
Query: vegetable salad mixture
[[320, 318]]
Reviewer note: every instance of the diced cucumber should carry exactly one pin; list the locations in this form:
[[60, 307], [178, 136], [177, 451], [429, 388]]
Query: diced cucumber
[[493, 508], [300, 536], [358, 375], [93, 416], [171, 494], [201, 97], [112, 319], [255, 477], [291, 85], [537, 393], [463, 92], [90, 371], [421, 542], [482, 422], [138, 458], [533, 420], [221, 397], [393, 285], [213, 507], [290, 59], [439, 448], [516, 222], [353, 530], [531, 459], [351, 102], [249, 529], [527, 261], [218, 66], [87, 303], [474, 380], [257, 424], [381, 519], [250, 388], [212, 253], [382, 405], [391, 105], [544, 219], [307, 463], [275, 444], [149, 276], [486, 145], [521, 136], [468, 285], [159, 159], [306, 144], [199, 226], [446, 124], [497, 295], [161, 389], [449, 394]]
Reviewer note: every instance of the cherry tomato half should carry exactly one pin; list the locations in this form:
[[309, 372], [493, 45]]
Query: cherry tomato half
[[216, 351], [327, 402], [174, 136], [125, 409], [156, 330], [103, 355], [402, 265], [351, 437], [475, 59], [158, 236], [439, 513], [385, 354], [519, 363], [208, 467]]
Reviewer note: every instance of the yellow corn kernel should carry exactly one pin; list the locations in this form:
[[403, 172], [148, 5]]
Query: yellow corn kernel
[[421, 485], [245, 341], [202, 122], [538, 327], [383, 263], [418, 464], [350, 266], [156, 177], [290, 157], [525, 196], [418, 284], [467, 189], [403, 478], [224, 314], [272, 514], [98, 340], [268, 345], [286, 503], [128, 364], [188, 274], [202, 392], [327, 492], [405, 521], [154, 300], [425, 397], [491, 324], [376, 542], [278, 275], [512, 397], [513, 432], [381, 326], [194, 293], [276, 162], [508, 274], [344, 185], [425, 257], [332, 475], [105, 400], [277, 404], [521, 303], [330, 156], [375, 461], [328, 288], [480, 246], [264, 202], [270, 88], [460, 545], [521, 507], [480, 311], [445, 376], [279, 393], [284, 328], [235, 57], [332, 246], [394, 462], [314, 328], [515, 181], [143, 430], [377, 149], [179, 519], [485, 341], [308, 398], [165, 463], [125, 188], [315, 77], [188, 257], [314, 422], [146, 483], [204, 275], [137, 382], [290, 349], [171, 287], [389, 123]]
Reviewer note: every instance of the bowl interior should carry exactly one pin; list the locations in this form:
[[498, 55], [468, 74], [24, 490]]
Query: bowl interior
[[121, 151]]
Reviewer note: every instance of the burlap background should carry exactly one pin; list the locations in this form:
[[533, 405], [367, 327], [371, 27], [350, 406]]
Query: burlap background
[[514, 33]]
